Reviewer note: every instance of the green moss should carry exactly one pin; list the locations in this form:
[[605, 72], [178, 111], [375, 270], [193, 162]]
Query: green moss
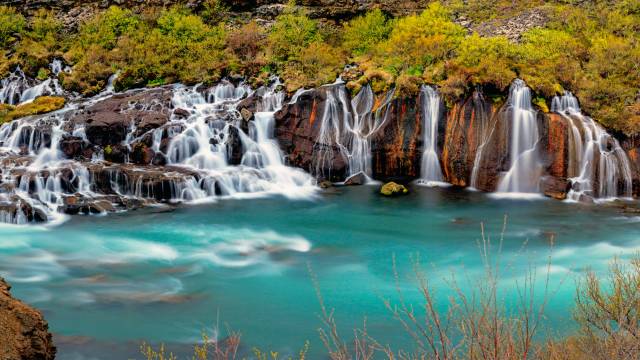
[[40, 105], [392, 189], [108, 150], [541, 103], [43, 74]]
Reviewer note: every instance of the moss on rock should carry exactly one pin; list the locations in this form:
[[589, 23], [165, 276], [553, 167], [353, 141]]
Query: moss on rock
[[392, 189], [40, 105]]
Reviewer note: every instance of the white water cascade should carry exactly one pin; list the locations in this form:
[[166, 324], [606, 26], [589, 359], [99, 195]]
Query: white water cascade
[[430, 104], [485, 132], [350, 126], [524, 174], [199, 149], [18, 89], [598, 166]]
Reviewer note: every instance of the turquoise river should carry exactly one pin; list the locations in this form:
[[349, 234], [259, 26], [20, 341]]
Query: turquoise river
[[165, 275]]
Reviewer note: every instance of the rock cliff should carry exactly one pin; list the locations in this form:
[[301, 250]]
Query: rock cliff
[[24, 334]]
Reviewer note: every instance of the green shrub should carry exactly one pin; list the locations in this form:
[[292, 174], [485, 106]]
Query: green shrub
[[290, 35], [11, 24], [420, 41], [549, 60], [365, 32], [318, 64]]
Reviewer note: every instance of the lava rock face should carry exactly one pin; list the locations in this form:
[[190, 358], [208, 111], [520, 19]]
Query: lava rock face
[[470, 124], [107, 122], [396, 148], [24, 334], [298, 126]]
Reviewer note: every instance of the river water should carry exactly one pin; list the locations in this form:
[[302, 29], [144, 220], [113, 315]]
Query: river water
[[106, 283]]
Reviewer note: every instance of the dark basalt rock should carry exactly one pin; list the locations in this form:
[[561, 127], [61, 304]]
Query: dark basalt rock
[[469, 124], [14, 205], [396, 148], [73, 147], [297, 126], [107, 122], [24, 333], [357, 179], [116, 153]]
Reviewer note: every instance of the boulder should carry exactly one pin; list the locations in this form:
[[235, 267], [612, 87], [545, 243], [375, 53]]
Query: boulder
[[181, 113], [24, 333], [72, 146], [357, 179], [141, 154], [393, 189], [116, 153], [555, 187], [107, 122]]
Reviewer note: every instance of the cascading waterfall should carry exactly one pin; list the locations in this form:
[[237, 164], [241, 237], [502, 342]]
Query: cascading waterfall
[[350, 126], [524, 174], [203, 145], [18, 89], [485, 132], [598, 166], [37, 179], [430, 104]]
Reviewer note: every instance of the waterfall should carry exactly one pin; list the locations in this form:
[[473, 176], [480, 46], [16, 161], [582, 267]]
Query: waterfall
[[524, 174], [598, 166], [430, 104], [485, 131], [37, 179], [349, 127], [18, 89]]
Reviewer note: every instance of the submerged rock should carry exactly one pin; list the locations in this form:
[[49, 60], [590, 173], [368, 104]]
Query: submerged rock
[[24, 333], [392, 189]]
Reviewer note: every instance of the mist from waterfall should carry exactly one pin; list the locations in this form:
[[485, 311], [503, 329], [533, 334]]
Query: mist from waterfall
[[598, 166], [431, 112], [525, 171]]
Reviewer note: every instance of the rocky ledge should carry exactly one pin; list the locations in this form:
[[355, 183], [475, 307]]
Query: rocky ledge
[[24, 334]]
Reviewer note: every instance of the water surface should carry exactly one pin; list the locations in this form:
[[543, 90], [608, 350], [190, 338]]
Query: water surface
[[105, 283]]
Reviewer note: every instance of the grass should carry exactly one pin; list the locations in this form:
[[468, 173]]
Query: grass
[[476, 325]]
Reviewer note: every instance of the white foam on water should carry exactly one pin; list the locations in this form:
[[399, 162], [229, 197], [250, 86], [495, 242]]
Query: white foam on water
[[517, 196], [244, 248]]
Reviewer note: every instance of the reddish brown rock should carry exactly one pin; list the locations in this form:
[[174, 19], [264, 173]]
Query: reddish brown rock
[[555, 187], [396, 148], [469, 124], [24, 334], [555, 151]]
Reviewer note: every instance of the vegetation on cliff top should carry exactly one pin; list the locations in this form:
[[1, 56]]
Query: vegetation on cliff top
[[591, 48]]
